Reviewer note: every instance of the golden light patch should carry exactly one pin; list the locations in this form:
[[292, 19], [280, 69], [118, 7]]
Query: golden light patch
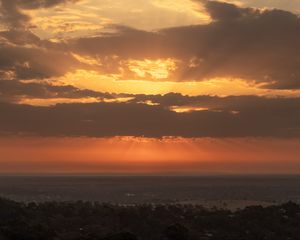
[[7, 75], [114, 83], [149, 102], [184, 6], [111, 83], [54, 101], [87, 60], [152, 69], [118, 100], [183, 109], [90, 16], [68, 22]]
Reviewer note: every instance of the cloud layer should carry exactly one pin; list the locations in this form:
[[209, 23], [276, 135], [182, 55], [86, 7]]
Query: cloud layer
[[226, 117]]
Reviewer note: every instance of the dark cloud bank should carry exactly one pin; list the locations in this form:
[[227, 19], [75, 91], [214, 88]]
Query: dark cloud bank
[[228, 117], [14, 91], [232, 116], [256, 45]]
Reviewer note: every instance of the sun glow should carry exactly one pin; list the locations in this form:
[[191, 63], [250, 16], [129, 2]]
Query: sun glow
[[54, 101], [152, 69], [115, 83], [130, 155], [183, 109]]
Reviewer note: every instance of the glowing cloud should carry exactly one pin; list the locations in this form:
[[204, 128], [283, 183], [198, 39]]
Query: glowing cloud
[[152, 69]]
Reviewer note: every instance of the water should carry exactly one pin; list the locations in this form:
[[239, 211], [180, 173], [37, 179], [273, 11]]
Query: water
[[232, 191]]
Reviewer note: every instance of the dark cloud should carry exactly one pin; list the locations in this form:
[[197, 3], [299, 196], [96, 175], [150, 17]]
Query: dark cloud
[[276, 118], [232, 116], [19, 37], [216, 103], [28, 57], [11, 10], [14, 91], [126, 43], [35, 62], [221, 11]]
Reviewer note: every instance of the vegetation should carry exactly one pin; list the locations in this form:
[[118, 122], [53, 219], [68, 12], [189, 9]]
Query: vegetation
[[96, 221]]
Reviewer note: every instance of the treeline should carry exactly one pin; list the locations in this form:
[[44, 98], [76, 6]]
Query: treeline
[[98, 221]]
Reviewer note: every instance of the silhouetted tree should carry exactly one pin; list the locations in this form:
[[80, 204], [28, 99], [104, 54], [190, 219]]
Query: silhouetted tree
[[176, 232], [97, 221], [121, 236]]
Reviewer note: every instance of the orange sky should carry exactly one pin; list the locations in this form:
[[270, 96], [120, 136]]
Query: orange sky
[[149, 156]]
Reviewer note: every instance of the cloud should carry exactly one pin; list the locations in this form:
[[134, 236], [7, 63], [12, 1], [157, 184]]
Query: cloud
[[269, 118], [256, 45], [14, 91], [216, 103], [259, 46], [222, 11], [11, 10], [28, 57], [35, 63]]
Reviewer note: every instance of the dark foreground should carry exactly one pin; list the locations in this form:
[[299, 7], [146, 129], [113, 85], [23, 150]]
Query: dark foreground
[[93, 221]]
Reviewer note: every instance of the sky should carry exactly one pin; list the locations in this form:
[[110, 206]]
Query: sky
[[149, 86]]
